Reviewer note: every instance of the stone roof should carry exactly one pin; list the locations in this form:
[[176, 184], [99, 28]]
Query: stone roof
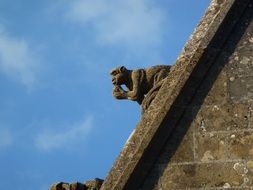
[[160, 120]]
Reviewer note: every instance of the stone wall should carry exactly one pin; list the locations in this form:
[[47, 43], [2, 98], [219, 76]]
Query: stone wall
[[212, 145]]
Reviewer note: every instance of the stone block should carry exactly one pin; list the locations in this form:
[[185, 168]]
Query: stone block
[[240, 145], [210, 147], [222, 117], [205, 176], [239, 66], [241, 89], [240, 63]]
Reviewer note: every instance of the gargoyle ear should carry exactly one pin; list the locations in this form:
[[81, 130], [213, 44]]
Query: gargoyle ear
[[123, 69]]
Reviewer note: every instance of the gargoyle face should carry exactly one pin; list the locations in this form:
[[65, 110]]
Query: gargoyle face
[[118, 79], [119, 75]]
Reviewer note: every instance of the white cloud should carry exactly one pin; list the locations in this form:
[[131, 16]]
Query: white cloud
[[17, 59], [56, 137], [131, 23], [6, 138]]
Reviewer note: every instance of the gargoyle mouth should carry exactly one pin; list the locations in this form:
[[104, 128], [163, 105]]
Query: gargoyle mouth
[[114, 81]]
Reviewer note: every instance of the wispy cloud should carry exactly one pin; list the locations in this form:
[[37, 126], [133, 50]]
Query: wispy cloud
[[56, 137], [6, 138], [131, 23], [17, 59]]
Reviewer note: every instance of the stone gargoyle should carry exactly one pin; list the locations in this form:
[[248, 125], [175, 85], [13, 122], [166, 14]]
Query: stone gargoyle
[[88, 185], [142, 85]]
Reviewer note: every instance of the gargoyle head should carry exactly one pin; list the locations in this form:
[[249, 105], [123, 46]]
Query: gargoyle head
[[119, 75]]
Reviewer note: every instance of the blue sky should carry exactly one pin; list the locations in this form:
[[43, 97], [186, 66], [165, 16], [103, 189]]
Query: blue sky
[[58, 119]]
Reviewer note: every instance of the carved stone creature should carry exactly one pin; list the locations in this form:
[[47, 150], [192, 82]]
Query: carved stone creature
[[141, 84], [88, 185]]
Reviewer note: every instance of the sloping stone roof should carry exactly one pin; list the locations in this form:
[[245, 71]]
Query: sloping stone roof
[[159, 121]]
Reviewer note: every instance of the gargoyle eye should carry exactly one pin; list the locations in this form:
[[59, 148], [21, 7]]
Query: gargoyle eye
[[113, 72]]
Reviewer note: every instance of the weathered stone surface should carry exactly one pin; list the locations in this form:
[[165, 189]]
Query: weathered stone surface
[[234, 116], [210, 147], [88, 185], [94, 184], [68, 186], [206, 175], [250, 115], [197, 132], [222, 132], [240, 68], [241, 88], [240, 145]]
